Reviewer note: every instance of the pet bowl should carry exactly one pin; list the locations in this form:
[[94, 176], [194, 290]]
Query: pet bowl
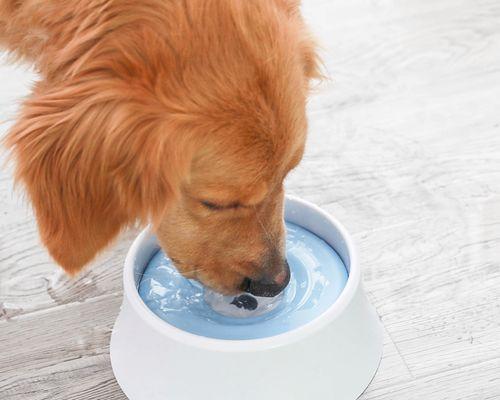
[[331, 354]]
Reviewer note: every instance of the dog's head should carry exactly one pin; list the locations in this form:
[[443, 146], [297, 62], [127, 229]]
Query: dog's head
[[226, 226], [193, 131]]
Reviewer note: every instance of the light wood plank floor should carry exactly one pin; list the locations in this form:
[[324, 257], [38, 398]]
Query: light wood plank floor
[[404, 149]]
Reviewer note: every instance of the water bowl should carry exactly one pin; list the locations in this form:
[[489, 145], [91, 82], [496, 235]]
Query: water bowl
[[175, 339]]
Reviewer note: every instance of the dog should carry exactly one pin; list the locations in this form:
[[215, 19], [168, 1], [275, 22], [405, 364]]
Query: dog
[[183, 114]]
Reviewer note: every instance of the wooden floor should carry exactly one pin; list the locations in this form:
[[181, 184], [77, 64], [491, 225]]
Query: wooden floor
[[404, 149]]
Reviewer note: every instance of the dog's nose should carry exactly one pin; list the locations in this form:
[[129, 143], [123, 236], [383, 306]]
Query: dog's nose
[[269, 287]]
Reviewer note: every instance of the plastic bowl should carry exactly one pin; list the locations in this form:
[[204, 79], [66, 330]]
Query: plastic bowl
[[334, 356]]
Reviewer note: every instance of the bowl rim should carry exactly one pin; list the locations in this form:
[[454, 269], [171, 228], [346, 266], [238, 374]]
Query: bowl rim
[[162, 327]]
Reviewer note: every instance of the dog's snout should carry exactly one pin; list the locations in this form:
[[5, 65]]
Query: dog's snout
[[269, 287]]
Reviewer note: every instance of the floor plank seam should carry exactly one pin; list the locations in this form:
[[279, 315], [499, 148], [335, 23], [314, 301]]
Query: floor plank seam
[[55, 308]]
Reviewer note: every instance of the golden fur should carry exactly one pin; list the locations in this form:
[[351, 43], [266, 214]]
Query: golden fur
[[147, 110]]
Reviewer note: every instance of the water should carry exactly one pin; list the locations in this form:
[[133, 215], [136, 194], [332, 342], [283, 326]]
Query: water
[[318, 277]]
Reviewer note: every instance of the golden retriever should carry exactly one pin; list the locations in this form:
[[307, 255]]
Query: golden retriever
[[186, 114]]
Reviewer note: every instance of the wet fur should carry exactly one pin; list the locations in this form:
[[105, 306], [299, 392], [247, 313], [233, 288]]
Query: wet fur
[[138, 101]]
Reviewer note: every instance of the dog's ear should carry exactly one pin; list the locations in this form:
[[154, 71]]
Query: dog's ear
[[94, 157]]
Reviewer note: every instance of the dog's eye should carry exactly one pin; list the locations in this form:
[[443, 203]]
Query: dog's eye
[[218, 207], [212, 206]]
